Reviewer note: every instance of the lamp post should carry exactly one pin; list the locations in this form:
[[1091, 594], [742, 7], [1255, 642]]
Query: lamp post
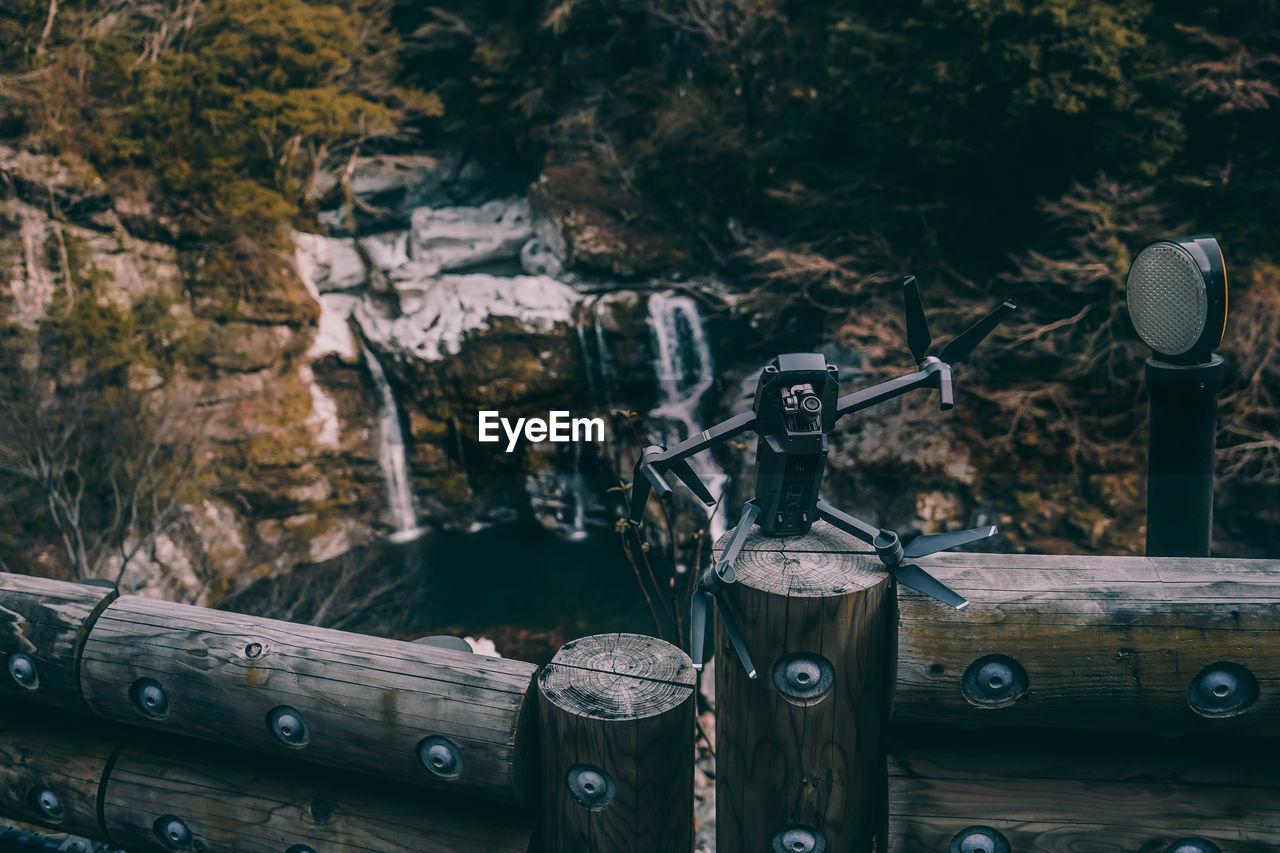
[[1177, 299]]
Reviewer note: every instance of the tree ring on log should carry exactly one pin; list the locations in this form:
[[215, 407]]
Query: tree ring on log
[[994, 681], [440, 756], [591, 787], [798, 839], [979, 839], [617, 677], [803, 678], [1223, 689], [780, 567]]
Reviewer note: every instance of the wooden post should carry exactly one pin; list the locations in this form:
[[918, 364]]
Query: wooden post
[[800, 763], [43, 625], [1171, 644], [617, 747], [417, 714]]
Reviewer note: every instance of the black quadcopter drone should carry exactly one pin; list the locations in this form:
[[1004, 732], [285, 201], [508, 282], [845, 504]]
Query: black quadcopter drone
[[796, 407]]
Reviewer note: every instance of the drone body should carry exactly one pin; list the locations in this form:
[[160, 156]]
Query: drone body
[[796, 407]]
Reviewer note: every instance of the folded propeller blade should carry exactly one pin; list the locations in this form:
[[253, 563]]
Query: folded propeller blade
[[698, 626], [731, 628], [685, 472], [646, 477], [921, 581], [923, 546], [965, 343], [918, 337]]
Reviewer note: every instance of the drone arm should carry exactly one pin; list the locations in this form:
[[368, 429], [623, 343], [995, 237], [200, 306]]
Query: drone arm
[[876, 394], [714, 435], [847, 523], [654, 460]]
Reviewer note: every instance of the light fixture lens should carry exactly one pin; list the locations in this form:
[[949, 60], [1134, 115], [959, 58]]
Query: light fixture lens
[[1168, 298]]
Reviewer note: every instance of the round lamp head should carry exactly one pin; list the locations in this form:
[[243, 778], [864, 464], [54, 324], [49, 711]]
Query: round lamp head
[[1177, 295]]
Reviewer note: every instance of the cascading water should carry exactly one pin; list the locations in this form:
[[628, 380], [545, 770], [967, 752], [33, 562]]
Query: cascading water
[[391, 455], [603, 356], [685, 371]]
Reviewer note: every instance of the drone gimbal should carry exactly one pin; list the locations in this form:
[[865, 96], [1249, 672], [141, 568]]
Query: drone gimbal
[[796, 407]]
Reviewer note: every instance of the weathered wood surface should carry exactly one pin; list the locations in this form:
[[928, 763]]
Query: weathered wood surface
[[620, 706], [1064, 794], [39, 757], [252, 808], [47, 622], [368, 704], [124, 786], [815, 764], [1106, 642]]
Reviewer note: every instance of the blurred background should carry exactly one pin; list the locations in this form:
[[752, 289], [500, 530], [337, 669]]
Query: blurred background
[[263, 262]]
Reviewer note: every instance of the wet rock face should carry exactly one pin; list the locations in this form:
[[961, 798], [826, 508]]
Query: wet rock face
[[390, 187], [282, 448], [598, 228]]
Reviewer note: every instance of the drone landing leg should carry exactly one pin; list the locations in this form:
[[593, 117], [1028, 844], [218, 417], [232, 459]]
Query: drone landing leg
[[715, 579]]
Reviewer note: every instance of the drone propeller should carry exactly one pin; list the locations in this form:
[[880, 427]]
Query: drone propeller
[[918, 337], [923, 546], [682, 469], [646, 477], [921, 581], [965, 343], [891, 552], [702, 600]]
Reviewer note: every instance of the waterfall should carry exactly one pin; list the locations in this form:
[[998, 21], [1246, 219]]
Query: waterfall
[[391, 454], [603, 356], [587, 367], [685, 371]]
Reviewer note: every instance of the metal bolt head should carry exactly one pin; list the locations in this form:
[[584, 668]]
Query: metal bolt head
[[253, 650], [591, 786], [287, 726], [149, 698], [172, 832], [979, 839], [22, 670], [440, 756], [299, 848], [1222, 690], [798, 839], [803, 678], [994, 681], [1193, 845], [47, 803]]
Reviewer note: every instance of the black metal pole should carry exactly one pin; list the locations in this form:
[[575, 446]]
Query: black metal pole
[[1183, 425]]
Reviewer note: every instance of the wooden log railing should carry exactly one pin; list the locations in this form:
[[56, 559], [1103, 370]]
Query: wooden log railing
[[1039, 706], [1054, 644], [158, 793], [1168, 644], [1018, 791], [418, 714]]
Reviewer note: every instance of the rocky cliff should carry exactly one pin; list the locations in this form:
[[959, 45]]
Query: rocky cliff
[[426, 291]]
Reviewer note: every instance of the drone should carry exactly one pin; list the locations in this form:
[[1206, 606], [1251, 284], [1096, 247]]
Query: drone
[[796, 407]]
